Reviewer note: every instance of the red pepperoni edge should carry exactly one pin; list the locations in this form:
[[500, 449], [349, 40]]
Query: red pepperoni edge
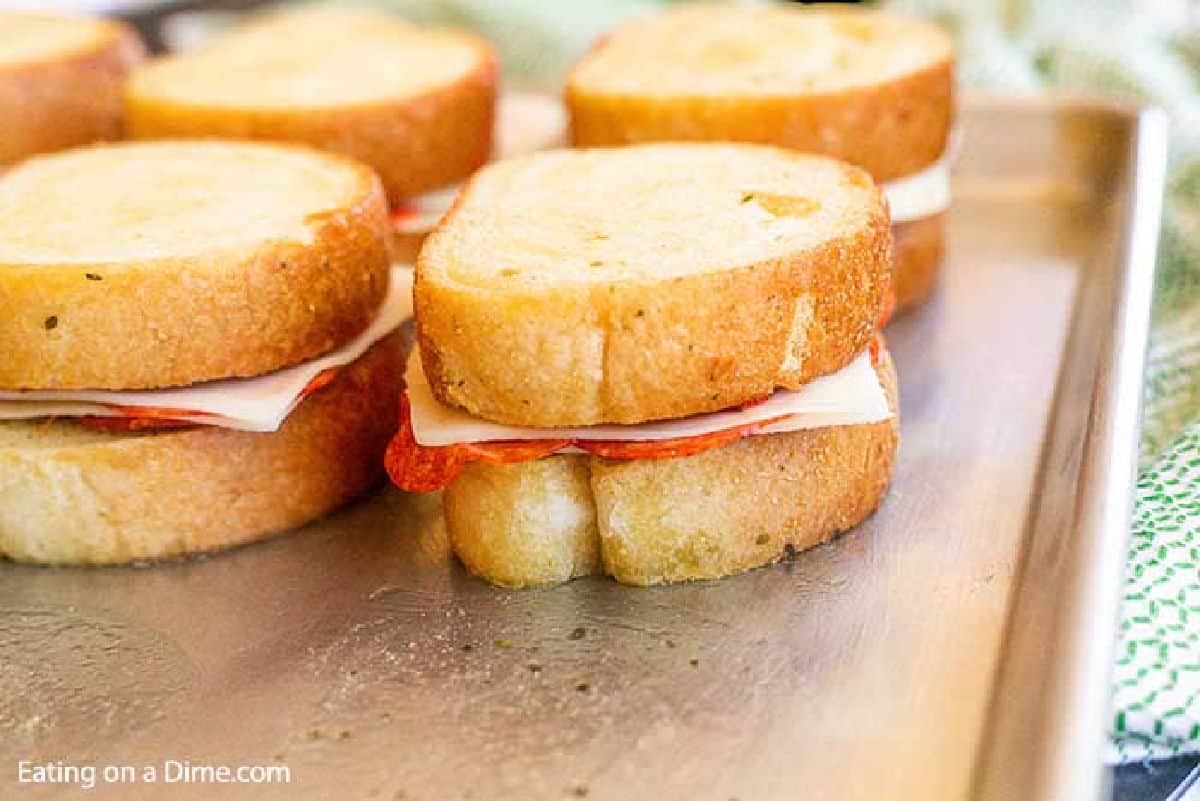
[[509, 451], [403, 213], [421, 468], [889, 307], [320, 381], [121, 425], [875, 348], [152, 418], [424, 468], [666, 448]]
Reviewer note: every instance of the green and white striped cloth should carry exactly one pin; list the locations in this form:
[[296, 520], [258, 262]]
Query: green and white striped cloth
[[1126, 49]]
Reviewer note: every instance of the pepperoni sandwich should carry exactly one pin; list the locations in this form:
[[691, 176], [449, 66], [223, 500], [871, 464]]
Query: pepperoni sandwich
[[199, 346], [60, 81], [863, 86], [659, 362], [416, 104]]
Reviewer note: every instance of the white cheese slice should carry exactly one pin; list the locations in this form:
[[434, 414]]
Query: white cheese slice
[[525, 123], [261, 403], [921, 194], [850, 396]]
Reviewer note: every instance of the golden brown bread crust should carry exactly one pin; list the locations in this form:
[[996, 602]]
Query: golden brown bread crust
[[891, 130], [860, 85], [71, 100], [673, 347], [715, 339], [416, 145], [405, 247], [917, 248], [173, 321], [653, 521], [69, 495]]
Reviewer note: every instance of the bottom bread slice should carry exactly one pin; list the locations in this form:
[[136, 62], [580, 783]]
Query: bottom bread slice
[[917, 248], [74, 495], [653, 521]]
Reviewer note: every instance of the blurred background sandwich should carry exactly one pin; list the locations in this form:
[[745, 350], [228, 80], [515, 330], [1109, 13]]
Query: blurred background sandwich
[[60, 81], [864, 86]]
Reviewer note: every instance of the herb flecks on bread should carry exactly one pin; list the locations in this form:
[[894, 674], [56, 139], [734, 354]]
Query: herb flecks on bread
[[651, 282]]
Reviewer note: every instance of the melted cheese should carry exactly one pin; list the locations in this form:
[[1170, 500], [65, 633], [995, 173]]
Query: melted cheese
[[851, 396], [261, 403]]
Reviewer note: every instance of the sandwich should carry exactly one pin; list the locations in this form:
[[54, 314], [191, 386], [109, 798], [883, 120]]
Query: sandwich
[[199, 346], [60, 81], [660, 362], [862, 86], [415, 104]]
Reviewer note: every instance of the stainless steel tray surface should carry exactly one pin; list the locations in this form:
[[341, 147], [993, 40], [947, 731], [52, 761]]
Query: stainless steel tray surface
[[955, 646]]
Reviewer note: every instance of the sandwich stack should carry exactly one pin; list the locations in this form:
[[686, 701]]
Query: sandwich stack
[[60, 81], [862, 86], [659, 362], [199, 342]]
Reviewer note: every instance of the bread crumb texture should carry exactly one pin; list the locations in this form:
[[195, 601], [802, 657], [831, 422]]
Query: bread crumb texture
[[160, 264], [650, 282], [73, 495], [654, 521], [864, 86]]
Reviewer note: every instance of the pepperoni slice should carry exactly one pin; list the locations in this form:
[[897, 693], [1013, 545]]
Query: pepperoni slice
[[875, 348], [139, 418], [889, 306], [425, 468], [404, 213], [418, 468], [320, 381], [123, 425], [746, 404], [509, 451], [665, 448]]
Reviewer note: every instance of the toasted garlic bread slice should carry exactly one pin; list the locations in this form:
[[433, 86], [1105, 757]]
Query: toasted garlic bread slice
[[415, 104], [643, 283], [863, 86], [152, 265], [652, 521], [73, 495], [60, 81]]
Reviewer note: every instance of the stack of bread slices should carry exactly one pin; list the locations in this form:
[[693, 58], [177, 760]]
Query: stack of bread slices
[[657, 362], [199, 344]]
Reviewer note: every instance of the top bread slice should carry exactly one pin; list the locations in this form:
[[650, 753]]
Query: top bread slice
[[415, 104], [863, 86], [60, 81], [136, 266], [578, 287]]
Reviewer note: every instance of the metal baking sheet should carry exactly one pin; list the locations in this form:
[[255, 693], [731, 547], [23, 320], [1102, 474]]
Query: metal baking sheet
[[956, 646]]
